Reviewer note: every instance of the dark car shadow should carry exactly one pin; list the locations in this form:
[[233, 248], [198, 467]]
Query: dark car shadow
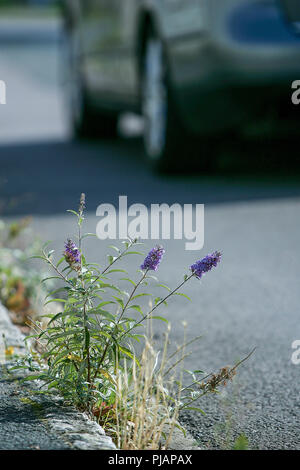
[[46, 178]]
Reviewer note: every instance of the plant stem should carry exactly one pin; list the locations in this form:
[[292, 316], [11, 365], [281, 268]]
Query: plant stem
[[86, 341], [157, 305], [114, 261], [48, 260], [207, 391], [122, 314], [132, 294]]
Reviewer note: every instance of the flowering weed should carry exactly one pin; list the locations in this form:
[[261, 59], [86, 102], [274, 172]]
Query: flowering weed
[[87, 350]]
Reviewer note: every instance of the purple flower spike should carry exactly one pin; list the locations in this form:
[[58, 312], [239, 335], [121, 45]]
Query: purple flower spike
[[153, 259], [72, 254], [206, 264]]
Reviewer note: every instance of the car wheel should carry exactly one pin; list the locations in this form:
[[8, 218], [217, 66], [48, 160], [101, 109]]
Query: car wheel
[[168, 146], [85, 121]]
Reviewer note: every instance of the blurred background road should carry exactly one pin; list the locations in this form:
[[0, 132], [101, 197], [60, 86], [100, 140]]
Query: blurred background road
[[252, 201]]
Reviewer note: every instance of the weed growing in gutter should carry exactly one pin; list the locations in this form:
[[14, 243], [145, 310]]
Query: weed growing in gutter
[[87, 351]]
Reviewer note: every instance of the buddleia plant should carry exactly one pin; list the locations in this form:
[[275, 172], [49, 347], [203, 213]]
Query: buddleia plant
[[83, 348]]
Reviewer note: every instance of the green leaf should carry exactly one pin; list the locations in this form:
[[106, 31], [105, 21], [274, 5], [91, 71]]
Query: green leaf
[[129, 280], [57, 316], [60, 261], [128, 353], [102, 333], [51, 277], [158, 318], [150, 276], [53, 384], [136, 337], [110, 286], [113, 247], [191, 373], [140, 295], [31, 336], [55, 300], [105, 303], [61, 289], [72, 300], [160, 300], [120, 301], [97, 295], [117, 271], [105, 314], [30, 378], [63, 335], [73, 212], [137, 308], [88, 235], [165, 287], [67, 268], [111, 259], [182, 295]]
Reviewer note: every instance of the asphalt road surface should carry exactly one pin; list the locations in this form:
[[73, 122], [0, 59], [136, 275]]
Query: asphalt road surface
[[251, 300]]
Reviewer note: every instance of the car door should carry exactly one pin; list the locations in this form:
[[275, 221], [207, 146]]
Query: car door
[[107, 32]]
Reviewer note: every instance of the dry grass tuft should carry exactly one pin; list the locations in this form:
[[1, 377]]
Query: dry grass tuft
[[145, 410]]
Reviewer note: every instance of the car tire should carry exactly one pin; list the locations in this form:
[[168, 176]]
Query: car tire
[[85, 121], [169, 147]]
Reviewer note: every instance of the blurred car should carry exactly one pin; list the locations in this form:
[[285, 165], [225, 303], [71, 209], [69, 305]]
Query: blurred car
[[192, 68], [292, 11]]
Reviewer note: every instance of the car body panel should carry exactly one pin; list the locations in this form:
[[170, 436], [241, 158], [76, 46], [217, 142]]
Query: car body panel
[[214, 49], [291, 9], [108, 53]]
